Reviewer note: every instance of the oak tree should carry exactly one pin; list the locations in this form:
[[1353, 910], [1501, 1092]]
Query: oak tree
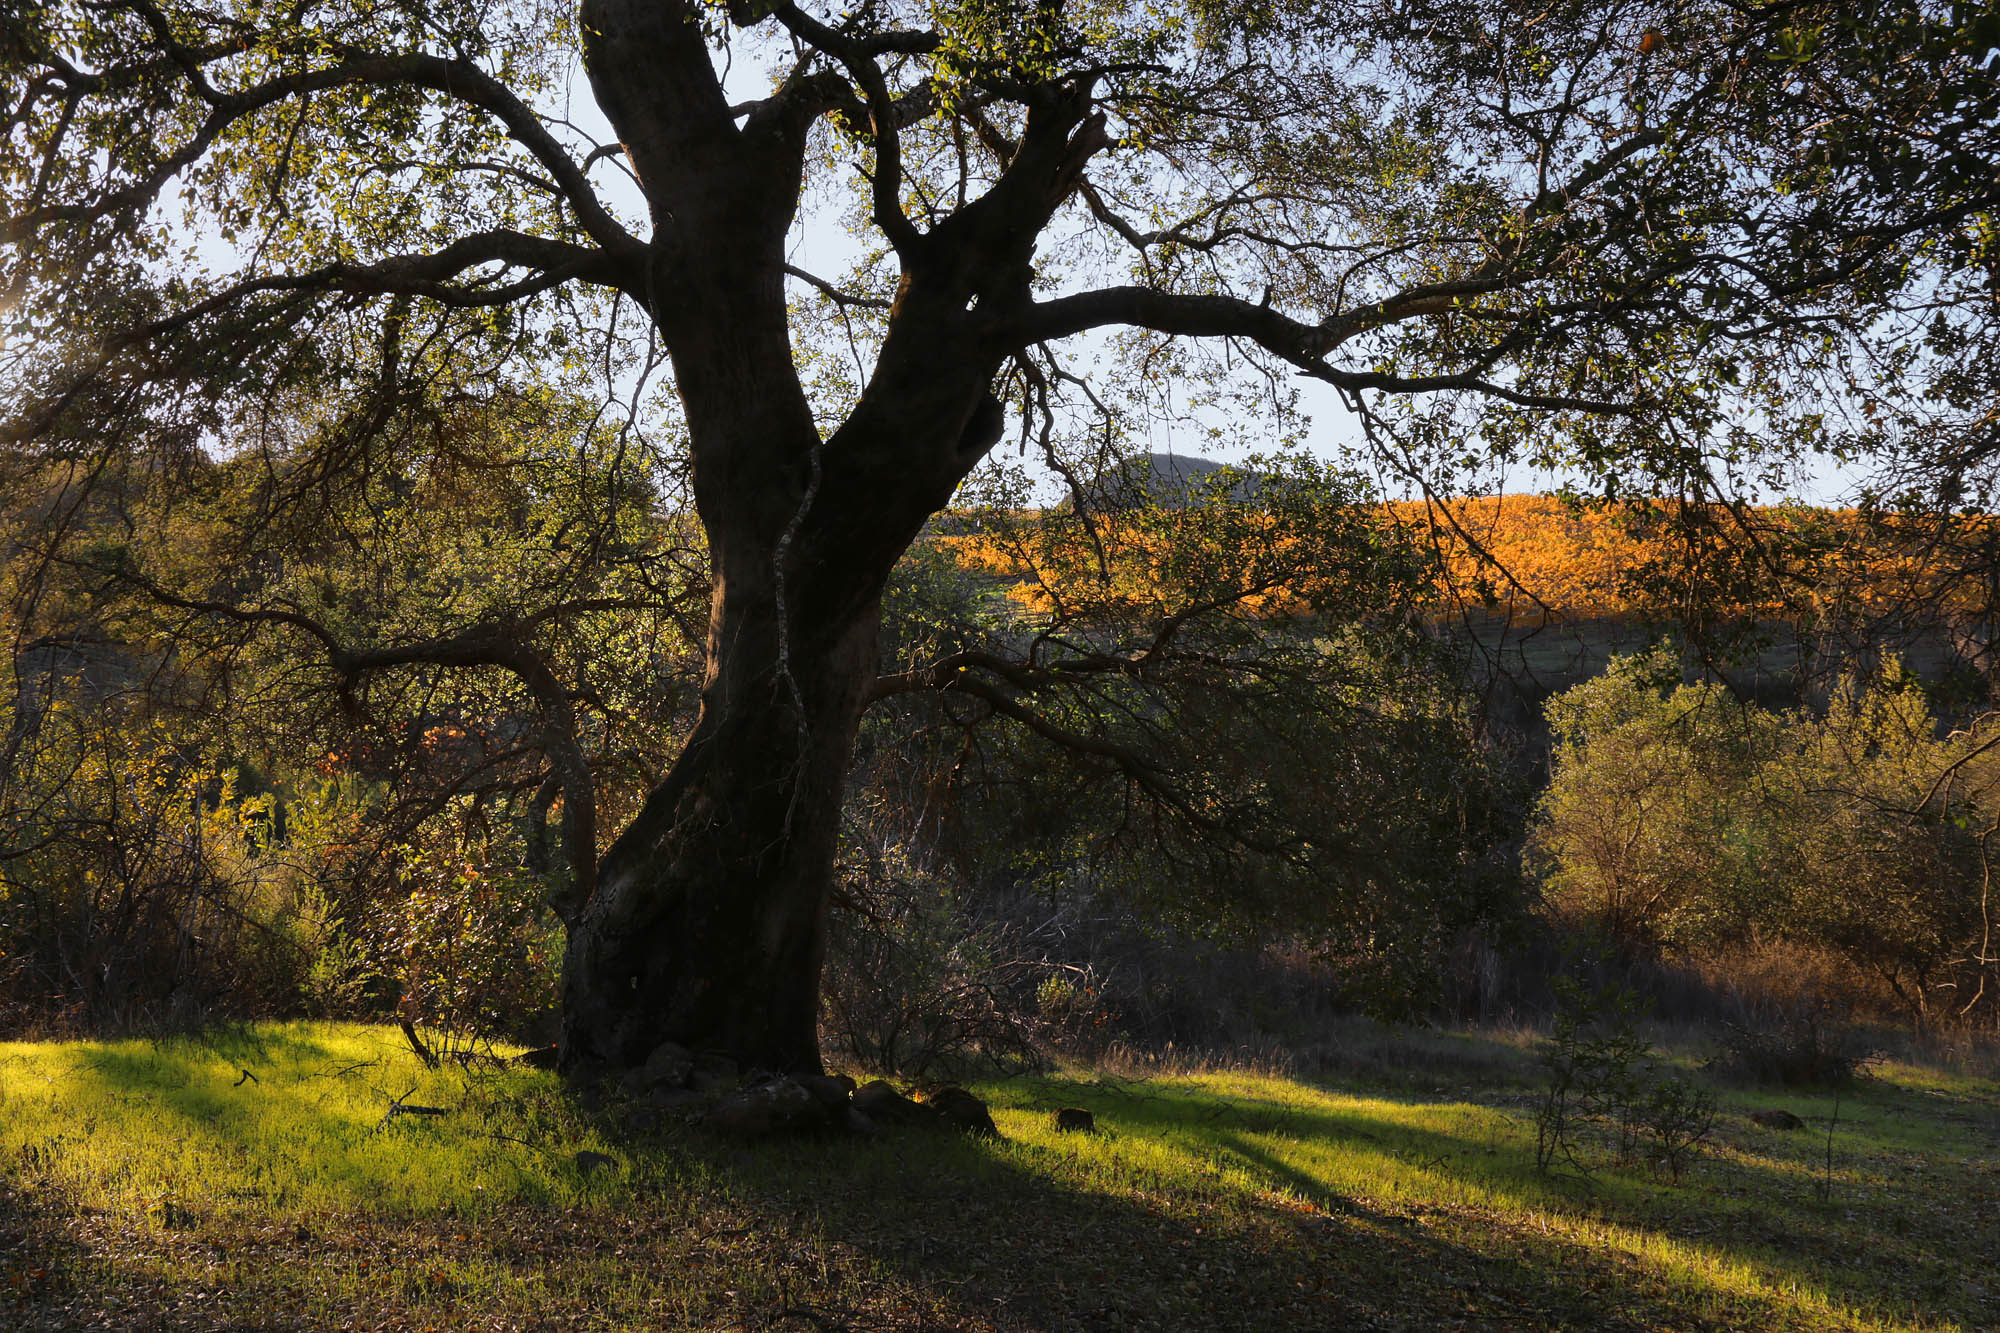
[[1656, 239]]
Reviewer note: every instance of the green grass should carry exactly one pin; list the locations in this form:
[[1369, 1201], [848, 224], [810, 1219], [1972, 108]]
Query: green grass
[[287, 1119], [154, 1185]]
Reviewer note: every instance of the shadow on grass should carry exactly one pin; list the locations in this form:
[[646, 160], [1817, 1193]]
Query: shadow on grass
[[1022, 1240], [38, 1257], [1875, 1248]]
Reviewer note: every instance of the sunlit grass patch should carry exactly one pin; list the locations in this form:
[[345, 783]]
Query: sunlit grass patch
[[1833, 1235], [287, 1119], [1942, 1079]]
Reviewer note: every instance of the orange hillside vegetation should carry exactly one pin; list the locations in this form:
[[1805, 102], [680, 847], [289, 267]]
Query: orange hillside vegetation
[[1528, 554], [1519, 554]]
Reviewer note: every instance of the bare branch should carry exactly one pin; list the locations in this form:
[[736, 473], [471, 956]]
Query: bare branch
[[1303, 345], [505, 645], [858, 55], [836, 294]]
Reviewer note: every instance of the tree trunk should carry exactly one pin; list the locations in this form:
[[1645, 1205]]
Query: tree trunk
[[708, 923]]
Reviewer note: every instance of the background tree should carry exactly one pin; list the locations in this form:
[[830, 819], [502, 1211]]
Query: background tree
[[1650, 831], [1639, 239], [1679, 820], [490, 642]]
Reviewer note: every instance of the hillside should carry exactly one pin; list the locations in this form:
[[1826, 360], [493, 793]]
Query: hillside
[[1781, 599]]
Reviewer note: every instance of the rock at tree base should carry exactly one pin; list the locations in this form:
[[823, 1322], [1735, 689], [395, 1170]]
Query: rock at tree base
[[717, 1066], [816, 1103], [833, 1090], [1777, 1120], [1075, 1120], [766, 1109], [670, 1066], [884, 1106], [541, 1057], [706, 1081], [964, 1110]]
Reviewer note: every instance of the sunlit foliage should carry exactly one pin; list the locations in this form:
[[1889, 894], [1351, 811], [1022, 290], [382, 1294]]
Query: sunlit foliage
[[1679, 817]]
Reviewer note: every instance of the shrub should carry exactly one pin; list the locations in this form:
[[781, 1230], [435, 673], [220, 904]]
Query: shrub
[[1599, 1075], [1642, 836], [1070, 1001], [1679, 821], [473, 947], [1803, 1049], [914, 985], [148, 890], [1590, 1063], [1677, 1116]]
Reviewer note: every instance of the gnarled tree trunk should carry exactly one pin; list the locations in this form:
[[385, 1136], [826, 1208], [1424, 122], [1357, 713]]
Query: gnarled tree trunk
[[709, 916]]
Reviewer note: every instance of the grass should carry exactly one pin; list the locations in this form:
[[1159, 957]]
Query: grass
[[157, 1186]]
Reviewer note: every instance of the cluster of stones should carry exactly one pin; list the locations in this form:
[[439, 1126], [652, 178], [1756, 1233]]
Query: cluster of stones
[[773, 1105]]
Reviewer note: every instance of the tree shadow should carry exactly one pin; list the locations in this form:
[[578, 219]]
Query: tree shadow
[[40, 1261], [1668, 1253], [1018, 1246], [1756, 1203]]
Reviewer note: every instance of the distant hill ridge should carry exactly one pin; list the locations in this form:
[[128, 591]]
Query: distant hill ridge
[[1166, 479], [1545, 590]]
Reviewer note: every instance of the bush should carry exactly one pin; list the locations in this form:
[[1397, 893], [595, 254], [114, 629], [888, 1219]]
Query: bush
[[149, 891], [1590, 1062], [1803, 1049], [1679, 821], [1600, 1076], [914, 985], [1642, 836], [473, 948], [1677, 1116]]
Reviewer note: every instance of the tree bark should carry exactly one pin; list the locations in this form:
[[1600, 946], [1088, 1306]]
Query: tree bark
[[708, 923]]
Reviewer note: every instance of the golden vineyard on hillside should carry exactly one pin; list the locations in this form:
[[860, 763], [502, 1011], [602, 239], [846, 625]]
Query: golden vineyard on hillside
[[1524, 556]]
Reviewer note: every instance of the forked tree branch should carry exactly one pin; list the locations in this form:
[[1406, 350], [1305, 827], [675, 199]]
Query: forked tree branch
[[505, 645], [858, 55], [459, 80]]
